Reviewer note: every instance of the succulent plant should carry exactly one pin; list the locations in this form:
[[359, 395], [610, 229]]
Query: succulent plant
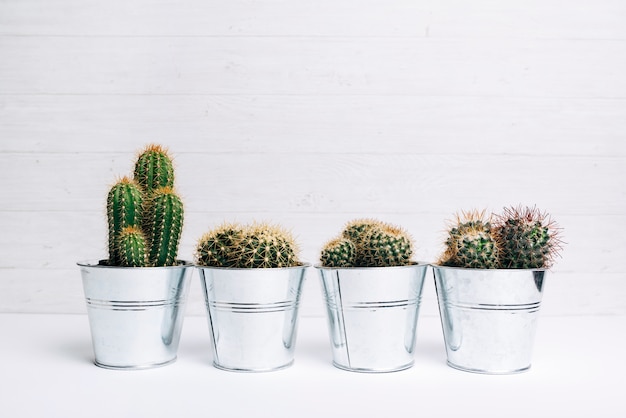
[[216, 248], [131, 247], [154, 168], [147, 202], [470, 243], [163, 224], [528, 238], [339, 252], [124, 209], [373, 243], [519, 238], [385, 246], [260, 245]]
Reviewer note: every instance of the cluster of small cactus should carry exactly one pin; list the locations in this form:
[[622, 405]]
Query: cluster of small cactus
[[145, 214], [368, 243], [257, 245], [519, 238]]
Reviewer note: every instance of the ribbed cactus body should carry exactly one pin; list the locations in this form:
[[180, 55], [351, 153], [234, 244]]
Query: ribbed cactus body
[[368, 243], [154, 168], [386, 246], [356, 231], [124, 209], [339, 252], [260, 245], [471, 243], [527, 238], [218, 248], [163, 225], [132, 248]]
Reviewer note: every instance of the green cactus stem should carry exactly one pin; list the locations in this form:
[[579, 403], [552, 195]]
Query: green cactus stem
[[124, 209], [386, 246], [131, 247], [356, 231], [218, 248], [163, 226], [260, 245], [267, 246], [339, 252], [528, 238], [471, 243], [154, 168]]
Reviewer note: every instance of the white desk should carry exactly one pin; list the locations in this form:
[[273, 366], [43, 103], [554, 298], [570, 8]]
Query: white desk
[[47, 371]]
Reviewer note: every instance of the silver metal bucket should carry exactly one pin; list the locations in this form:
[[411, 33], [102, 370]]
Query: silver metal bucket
[[135, 313], [372, 315], [253, 316], [489, 317]]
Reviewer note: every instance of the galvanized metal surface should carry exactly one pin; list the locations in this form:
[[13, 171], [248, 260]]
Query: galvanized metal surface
[[253, 316], [489, 317], [135, 313], [372, 315]]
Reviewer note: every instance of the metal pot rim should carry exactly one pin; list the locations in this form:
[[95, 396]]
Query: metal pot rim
[[96, 264], [299, 266], [438, 266], [413, 264]]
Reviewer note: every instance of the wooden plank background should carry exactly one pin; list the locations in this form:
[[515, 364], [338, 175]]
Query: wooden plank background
[[310, 114]]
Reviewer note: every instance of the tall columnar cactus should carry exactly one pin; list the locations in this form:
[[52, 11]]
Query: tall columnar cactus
[[338, 252], [260, 245], [528, 238], [147, 202], [387, 246], [163, 224], [124, 209], [131, 247], [154, 168], [368, 243], [471, 243]]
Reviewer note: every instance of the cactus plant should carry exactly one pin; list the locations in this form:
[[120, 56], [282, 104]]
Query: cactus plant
[[339, 252], [528, 238], [124, 209], [470, 242], [154, 168], [163, 226], [147, 202], [375, 243], [519, 238], [260, 245], [131, 247], [385, 246]]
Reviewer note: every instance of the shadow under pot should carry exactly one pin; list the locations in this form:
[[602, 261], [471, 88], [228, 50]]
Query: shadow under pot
[[372, 315], [135, 313], [489, 317], [252, 315]]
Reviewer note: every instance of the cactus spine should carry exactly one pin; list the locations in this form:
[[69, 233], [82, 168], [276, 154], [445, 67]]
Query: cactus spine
[[124, 209], [163, 226], [373, 244], [260, 245], [519, 238], [154, 168], [529, 239], [339, 252], [147, 202], [131, 247], [471, 243]]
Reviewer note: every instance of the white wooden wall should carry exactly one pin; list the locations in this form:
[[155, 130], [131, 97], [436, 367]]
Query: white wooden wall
[[309, 114]]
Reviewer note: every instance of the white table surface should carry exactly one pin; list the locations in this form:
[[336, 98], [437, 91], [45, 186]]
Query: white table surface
[[47, 370]]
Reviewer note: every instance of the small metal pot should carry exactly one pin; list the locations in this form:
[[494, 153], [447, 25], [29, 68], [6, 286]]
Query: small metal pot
[[253, 316], [489, 317], [135, 313], [372, 315]]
